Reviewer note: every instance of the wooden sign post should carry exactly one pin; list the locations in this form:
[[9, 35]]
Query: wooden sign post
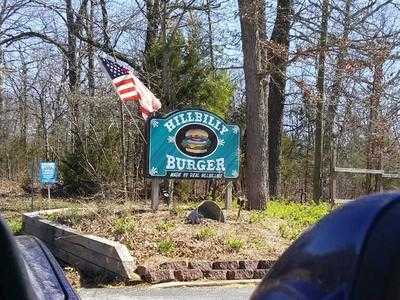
[[155, 193], [48, 191], [228, 196]]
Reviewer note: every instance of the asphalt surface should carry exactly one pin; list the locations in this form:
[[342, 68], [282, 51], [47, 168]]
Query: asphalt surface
[[176, 293]]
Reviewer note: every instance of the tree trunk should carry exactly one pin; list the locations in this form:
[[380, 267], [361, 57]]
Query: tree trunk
[[104, 20], [210, 34], [23, 113], [319, 122], [329, 136], [252, 19], [166, 76], [73, 75], [45, 135], [71, 51], [375, 137], [91, 83], [276, 99], [153, 23]]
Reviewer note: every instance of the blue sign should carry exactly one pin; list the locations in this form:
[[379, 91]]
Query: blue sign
[[193, 144], [48, 172]]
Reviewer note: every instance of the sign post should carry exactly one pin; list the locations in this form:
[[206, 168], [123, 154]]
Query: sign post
[[48, 175], [228, 196], [192, 144], [32, 183], [155, 193]]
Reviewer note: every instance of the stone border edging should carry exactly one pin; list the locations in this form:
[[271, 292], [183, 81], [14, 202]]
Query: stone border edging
[[89, 253]]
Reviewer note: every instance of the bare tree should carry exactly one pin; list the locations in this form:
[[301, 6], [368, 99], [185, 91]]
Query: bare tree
[[252, 19], [319, 118]]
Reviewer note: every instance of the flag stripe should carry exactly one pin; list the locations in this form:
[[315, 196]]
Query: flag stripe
[[127, 90], [126, 95], [123, 81], [125, 86]]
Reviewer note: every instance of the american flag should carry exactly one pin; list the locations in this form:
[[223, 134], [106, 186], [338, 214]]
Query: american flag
[[130, 88]]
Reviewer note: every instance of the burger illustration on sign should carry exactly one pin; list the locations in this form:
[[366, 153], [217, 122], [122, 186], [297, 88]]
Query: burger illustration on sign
[[196, 140]]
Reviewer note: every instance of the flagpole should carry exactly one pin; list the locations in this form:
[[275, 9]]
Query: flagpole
[[123, 150], [134, 121]]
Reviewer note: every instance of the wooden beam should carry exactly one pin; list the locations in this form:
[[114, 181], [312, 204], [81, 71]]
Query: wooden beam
[[358, 171], [89, 253]]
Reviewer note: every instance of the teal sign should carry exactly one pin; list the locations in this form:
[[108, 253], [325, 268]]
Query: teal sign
[[48, 172], [193, 144]]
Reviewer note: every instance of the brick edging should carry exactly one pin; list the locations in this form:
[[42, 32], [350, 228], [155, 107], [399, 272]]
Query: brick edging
[[195, 270]]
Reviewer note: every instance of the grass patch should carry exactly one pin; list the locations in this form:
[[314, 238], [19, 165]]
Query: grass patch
[[15, 225], [165, 225], [166, 247], [70, 216], [298, 216], [205, 233], [257, 217], [290, 232], [259, 244], [235, 244], [124, 225]]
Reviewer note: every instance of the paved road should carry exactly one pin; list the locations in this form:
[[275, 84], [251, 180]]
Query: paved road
[[174, 293]]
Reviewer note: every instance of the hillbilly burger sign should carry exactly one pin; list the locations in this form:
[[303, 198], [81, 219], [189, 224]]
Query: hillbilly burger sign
[[193, 144]]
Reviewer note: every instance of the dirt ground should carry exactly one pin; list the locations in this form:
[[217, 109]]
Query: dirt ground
[[156, 237]]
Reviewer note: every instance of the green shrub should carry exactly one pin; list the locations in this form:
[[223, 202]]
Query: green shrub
[[205, 233], [75, 176], [166, 246], [235, 244], [15, 225], [124, 225]]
